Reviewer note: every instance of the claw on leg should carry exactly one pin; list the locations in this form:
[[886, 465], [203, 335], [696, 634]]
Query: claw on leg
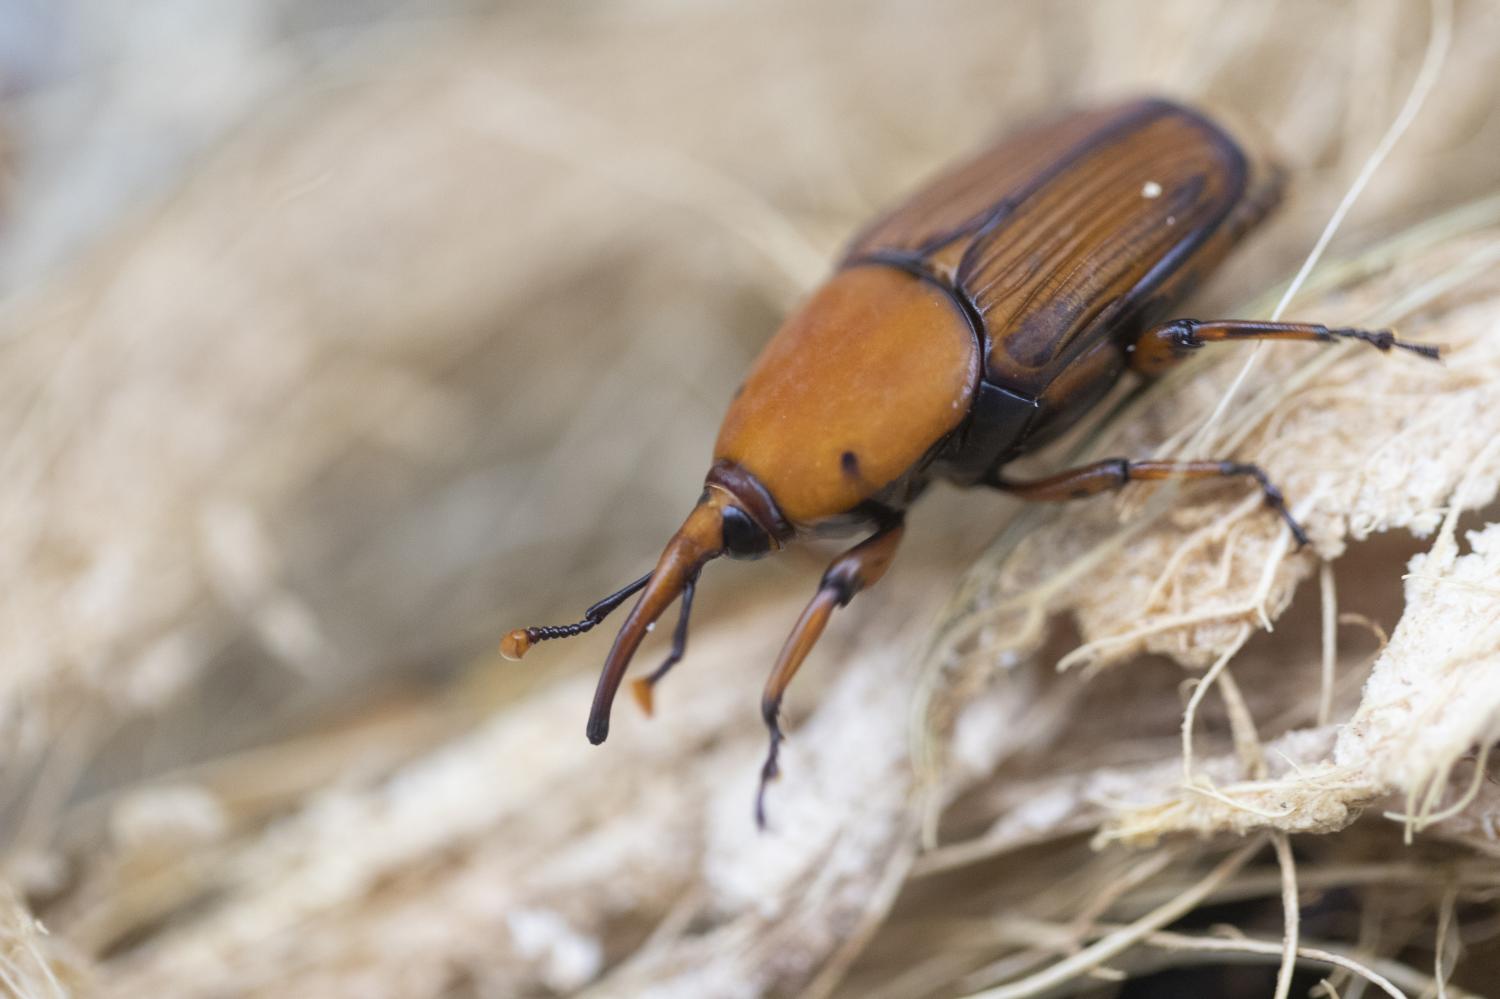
[[768, 772], [803, 637]]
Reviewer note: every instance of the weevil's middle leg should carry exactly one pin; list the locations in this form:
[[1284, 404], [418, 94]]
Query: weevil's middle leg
[[1160, 347], [1113, 473], [856, 569]]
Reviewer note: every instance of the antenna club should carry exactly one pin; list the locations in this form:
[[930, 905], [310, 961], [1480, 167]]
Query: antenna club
[[515, 645]]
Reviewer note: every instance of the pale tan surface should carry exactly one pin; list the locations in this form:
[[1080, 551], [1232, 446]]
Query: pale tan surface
[[435, 345]]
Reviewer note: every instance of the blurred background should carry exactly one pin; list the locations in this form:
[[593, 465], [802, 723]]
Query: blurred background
[[342, 336]]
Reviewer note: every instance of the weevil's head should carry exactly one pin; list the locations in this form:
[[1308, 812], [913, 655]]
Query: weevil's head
[[752, 525], [871, 374], [735, 517]]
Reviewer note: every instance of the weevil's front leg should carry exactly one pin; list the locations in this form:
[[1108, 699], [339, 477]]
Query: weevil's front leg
[[1113, 473], [1163, 346], [857, 568]]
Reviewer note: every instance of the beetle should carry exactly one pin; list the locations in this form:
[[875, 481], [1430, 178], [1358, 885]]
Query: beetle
[[972, 324]]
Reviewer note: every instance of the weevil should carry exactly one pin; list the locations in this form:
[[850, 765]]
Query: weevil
[[972, 324]]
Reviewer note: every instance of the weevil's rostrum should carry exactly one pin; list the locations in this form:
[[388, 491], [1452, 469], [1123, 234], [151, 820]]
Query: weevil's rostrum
[[974, 323]]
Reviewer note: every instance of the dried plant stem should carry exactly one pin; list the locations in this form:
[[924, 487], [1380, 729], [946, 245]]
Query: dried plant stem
[[1247, 744], [1199, 690], [1422, 818], [1390, 976], [1474, 877], [1440, 950], [1120, 940], [1291, 906], [1330, 606], [1245, 945], [1137, 875]]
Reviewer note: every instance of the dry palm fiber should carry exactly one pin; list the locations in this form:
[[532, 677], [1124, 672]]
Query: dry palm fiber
[[439, 350]]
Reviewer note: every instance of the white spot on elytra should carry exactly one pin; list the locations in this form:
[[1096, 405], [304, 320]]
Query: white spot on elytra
[[1151, 189]]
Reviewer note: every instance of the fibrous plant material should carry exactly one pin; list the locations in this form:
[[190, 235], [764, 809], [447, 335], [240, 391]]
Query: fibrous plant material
[[1407, 735], [1194, 581], [289, 450]]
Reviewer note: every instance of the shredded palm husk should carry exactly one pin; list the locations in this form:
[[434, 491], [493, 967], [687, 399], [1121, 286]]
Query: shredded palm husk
[[433, 342]]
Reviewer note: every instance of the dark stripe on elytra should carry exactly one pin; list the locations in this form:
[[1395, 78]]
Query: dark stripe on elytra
[[1178, 255], [1090, 145], [982, 222], [1234, 196]]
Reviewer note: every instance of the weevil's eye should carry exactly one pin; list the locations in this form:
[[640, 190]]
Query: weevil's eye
[[743, 537]]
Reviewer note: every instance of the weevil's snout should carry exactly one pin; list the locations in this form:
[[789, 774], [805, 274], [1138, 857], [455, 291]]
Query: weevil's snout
[[705, 535], [730, 518]]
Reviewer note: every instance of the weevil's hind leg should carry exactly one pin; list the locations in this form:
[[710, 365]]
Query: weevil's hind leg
[[1160, 347], [1113, 473], [642, 687], [856, 569], [515, 645]]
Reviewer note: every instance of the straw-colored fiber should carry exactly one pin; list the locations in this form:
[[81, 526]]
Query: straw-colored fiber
[[430, 339]]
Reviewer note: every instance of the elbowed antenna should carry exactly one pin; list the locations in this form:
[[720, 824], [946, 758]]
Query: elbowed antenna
[[700, 539], [516, 644]]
